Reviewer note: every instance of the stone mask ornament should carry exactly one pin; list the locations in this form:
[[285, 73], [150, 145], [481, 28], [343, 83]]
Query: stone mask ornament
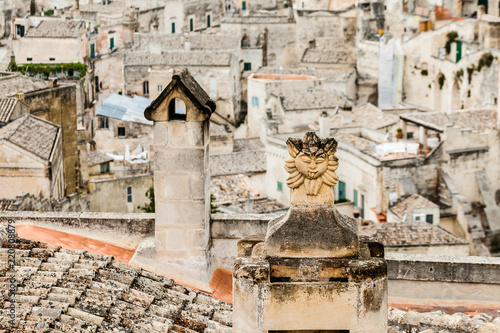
[[312, 162]]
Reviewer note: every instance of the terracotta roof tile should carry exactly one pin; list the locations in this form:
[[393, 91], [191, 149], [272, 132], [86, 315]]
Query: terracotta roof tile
[[412, 202], [79, 291]]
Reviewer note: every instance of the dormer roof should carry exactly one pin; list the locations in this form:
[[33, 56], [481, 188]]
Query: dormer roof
[[191, 89]]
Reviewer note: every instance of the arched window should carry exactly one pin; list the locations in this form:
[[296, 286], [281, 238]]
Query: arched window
[[177, 110]]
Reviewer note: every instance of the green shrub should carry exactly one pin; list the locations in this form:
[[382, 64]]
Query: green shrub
[[452, 36]]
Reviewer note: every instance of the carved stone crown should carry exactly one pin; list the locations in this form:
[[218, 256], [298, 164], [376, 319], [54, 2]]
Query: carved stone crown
[[312, 163]]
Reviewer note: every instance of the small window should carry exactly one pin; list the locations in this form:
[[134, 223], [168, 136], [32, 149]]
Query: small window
[[112, 43], [177, 110], [191, 24], [105, 167], [247, 66], [92, 51], [208, 21], [52, 59], [160, 88], [145, 88], [244, 5], [280, 186], [121, 131], [129, 194], [429, 218], [173, 27], [355, 198], [341, 190], [255, 101], [29, 59], [103, 122], [409, 135]]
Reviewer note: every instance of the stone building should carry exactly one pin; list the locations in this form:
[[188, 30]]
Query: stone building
[[31, 159], [53, 102], [11, 108], [45, 41], [415, 208]]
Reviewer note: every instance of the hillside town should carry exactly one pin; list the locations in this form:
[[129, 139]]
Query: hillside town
[[169, 164]]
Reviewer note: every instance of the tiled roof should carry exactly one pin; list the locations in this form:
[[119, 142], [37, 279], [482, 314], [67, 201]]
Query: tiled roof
[[232, 189], [246, 144], [55, 29], [60, 290], [411, 234], [17, 83], [478, 120], [7, 106], [367, 115], [355, 140], [246, 162], [5, 204], [98, 157], [336, 56], [33, 134], [412, 202], [314, 100]]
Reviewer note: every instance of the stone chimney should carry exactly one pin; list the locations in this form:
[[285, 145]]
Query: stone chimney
[[312, 272], [181, 116]]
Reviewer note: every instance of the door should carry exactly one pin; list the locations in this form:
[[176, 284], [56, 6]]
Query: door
[[92, 51], [208, 21], [362, 206], [244, 5], [355, 198], [459, 51], [111, 42], [191, 25]]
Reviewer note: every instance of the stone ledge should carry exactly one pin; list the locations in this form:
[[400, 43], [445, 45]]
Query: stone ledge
[[419, 267]]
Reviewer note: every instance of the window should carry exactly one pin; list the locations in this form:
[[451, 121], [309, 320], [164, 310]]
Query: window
[[121, 131], [247, 66], [112, 43], [129, 194], [409, 135], [103, 122], [341, 190], [105, 167], [52, 59], [355, 198], [208, 21], [29, 59], [212, 91], [20, 30], [429, 218], [160, 88], [255, 101], [244, 5], [177, 110], [191, 24], [92, 51], [173, 27], [280, 186], [145, 88]]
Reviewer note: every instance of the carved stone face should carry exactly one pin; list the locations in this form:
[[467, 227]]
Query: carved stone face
[[312, 163], [311, 166]]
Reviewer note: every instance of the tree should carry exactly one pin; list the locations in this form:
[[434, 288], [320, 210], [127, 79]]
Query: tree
[[150, 207]]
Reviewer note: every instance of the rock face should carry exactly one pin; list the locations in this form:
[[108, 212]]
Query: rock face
[[311, 272]]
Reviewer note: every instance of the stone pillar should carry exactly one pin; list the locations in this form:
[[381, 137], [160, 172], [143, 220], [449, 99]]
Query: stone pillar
[[324, 125], [311, 273], [182, 180]]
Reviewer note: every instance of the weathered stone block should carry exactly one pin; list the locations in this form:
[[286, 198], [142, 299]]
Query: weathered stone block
[[171, 239], [180, 213], [161, 133], [199, 187], [178, 134], [312, 232], [179, 160], [195, 134], [172, 187], [196, 238]]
